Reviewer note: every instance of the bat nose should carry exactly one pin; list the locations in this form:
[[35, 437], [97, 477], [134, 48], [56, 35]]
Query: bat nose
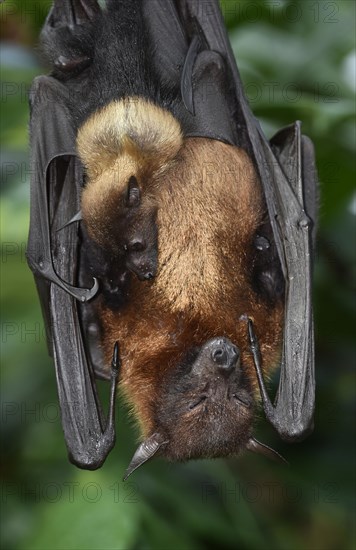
[[144, 267], [144, 272], [225, 354]]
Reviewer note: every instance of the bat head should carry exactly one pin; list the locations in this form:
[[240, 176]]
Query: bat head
[[206, 407], [205, 411], [139, 231], [123, 226]]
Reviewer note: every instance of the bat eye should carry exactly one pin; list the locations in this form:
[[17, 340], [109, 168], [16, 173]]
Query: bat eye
[[261, 243], [198, 402], [133, 193], [243, 401]]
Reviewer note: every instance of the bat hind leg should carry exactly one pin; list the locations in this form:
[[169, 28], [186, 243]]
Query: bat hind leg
[[67, 36]]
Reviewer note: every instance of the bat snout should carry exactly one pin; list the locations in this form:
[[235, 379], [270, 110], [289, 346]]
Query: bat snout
[[143, 264], [143, 272], [224, 354]]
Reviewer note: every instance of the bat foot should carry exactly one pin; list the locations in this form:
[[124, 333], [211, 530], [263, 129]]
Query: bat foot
[[71, 13], [68, 34]]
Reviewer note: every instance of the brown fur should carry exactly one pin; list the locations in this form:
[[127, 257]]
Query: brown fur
[[209, 207]]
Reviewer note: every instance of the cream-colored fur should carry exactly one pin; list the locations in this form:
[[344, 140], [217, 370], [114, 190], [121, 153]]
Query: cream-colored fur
[[133, 126]]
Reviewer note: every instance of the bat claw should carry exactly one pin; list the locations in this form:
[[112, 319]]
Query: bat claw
[[251, 333], [80, 294], [255, 348], [260, 448], [83, 294], [76, 218], [116, 363]]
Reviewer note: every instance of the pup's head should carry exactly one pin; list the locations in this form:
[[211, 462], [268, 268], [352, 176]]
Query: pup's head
[[123, 147], [122, 221]]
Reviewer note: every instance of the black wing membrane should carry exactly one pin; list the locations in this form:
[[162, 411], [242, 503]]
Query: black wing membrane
[[287, 172], [53, 256], [51, 136]]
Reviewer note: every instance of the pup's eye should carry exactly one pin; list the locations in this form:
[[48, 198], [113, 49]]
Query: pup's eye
[[198, 402]]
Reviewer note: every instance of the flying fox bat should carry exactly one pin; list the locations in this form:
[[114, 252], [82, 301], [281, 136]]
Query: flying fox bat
[[171, 243]]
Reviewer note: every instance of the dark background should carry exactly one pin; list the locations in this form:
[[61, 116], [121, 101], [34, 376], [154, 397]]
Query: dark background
[[297, 60]]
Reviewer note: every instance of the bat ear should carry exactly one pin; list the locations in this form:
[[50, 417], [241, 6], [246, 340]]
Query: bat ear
[[259, 448], [144, 452]]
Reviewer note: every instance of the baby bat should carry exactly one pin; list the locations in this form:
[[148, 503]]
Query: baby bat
[[143, 127]]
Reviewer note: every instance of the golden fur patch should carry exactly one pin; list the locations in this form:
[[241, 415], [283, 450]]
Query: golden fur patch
[[132, 128]]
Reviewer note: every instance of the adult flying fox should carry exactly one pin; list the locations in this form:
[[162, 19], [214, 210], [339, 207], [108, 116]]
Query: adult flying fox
[[193, 226]]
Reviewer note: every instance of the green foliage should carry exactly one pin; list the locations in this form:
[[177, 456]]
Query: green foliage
[[296, 62]]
